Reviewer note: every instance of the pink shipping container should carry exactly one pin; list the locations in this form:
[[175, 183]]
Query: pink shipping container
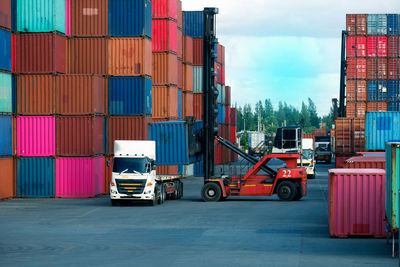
[[164, 9], [79, 177], [377, 46], [356, 46], [165, 36], [357, 202], [36, 136]]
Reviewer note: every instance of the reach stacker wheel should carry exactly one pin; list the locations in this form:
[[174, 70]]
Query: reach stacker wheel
[[211, 192], [287, 191]]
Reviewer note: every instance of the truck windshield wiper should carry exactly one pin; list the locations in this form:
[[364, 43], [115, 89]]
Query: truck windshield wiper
[[123, 171], [137, 172]]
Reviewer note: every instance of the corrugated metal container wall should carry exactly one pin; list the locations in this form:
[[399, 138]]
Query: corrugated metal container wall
[[164, 9], [377, 90], [394, 90], [180, 104], [129, 56], [80, 94], [227, 95], [233, 116], [36, 136], [129, 18], [356, 202], [7, 178], [377, 106], [180, 74], [127, 128], [39, 53], [356, 24], [163, 170], [79, 135], [35, 94], [41, 15], [6, 93], [198, 106], [394, 106], [394, 68], [5, 50], [227, 114], [165, 36], [392, 184], [381, 127], [357, 68], [233, 130], [377, 46], [356, 109], [376, 24], [180, 15], [187, 78], [5, 14], [198, 79], [360, 162], [393, 46], [89, 18], [187, 104], [165, 69], [356, 46], [171, 142], [35, 177], [221, 114], [79, 177], [193, 24], [165, 102], [198, 52], [393, 24], [129, 96], [187, 49], [88, 55], [6, 136], [377, 68], [180, 44]]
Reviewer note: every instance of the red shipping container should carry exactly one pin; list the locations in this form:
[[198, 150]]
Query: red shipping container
[[39, 53], [357, 202], [356, 90], [198, 52], [356, 24], [187, 49], [187, 104], [360, 162], [394, 68], [233, 119], [233, 130], [227, 115], [127, 128], [187, 78], [5, 14], [164, 170], [339, 160], [349, 135], [377, 68], [198, 106], [356, 46], [88, 55], [165, 69], [165, 36], [180, 44], [79, 135], [180, 74], [227, 95], [165, 102], [356, 109], [377, 106], [393, 46], [222, 74], [89, 18], [357, 68], [164, 9], [377, 46], [218, 154], [320, 132], [220, 54]]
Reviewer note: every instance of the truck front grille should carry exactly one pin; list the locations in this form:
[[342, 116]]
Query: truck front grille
[[131, 187]]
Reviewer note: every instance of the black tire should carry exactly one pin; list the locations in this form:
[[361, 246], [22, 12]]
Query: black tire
[[311, 176], [154, 201], [299, 194], [114, 202], [175, 194], [287, 191], [211, 192], [162, 194], [180, 190]]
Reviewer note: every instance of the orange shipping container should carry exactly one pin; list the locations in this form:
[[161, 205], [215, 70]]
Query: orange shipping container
[[356, 90], [356, 109], [80, 94], [129, 56], [165, 69], [187, 104], [165, 102], [89, 18], [7, 178], [88, 55], [35, 94], [187, 50], [198, 106], [180, 44], [187, 78], [163, 170], [377, 106], [180, 15], [377, 68], [197, 51]]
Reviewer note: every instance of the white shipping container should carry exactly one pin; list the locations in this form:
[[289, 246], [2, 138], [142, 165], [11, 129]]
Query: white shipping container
[[198, 79], [255, 138]]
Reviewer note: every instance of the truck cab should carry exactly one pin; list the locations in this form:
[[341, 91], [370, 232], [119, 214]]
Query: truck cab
[[323, 149], [307, 157]]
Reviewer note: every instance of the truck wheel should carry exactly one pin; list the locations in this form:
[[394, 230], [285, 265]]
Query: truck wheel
[[299, 194], [154, 201], [175, 194], [287, 191], [162, 194], [211, 192], [180, 191]]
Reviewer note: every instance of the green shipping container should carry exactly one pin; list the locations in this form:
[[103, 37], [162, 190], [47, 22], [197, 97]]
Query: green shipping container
[[392, 184], [41, 15], [5, 93]]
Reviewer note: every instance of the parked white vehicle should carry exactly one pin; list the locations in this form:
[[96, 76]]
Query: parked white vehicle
[[307, 160]]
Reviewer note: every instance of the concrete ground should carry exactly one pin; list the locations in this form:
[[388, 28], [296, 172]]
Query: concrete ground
[[187, 232]]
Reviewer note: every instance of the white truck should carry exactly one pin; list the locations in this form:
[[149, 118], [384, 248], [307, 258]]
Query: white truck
[[256, 143], [134, 175], [307, 160]]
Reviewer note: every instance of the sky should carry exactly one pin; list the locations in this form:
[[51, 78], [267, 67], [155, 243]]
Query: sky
[[287, 50]]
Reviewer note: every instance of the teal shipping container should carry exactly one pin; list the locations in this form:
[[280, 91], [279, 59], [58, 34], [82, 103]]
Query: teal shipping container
[[42, 16], [5, 92], [392, 185], [377, 24], [381, 127]]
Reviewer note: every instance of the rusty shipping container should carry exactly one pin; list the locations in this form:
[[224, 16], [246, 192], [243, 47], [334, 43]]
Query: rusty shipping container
[[35, 94], [5, 14], [7, 178], [394, 46], [356, 108], [394, 68], [165, 102], [187, 49], [180, 74], [377, 68], [80, 94], [228, 95], [39, 53], [357, 68], [127, 128], [88, 56], [198, 106], [197, 51], [129, 56], [356, 24], [165, 69], [79, 135], [360, 162], [377, 106], [89, 18], [350, 135], [187, 78], [187, 104], [356, 90]]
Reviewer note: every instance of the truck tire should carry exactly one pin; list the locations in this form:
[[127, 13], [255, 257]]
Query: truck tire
[[175, 194], [180, 195], [162, 194], [287, 191], [154, 201], [299, 194], [211, 192]]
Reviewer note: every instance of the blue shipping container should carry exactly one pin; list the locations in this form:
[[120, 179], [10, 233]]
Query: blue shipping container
[[5, 50], [129, 96], [6, 94], [129, 18], [193, 24], [377, 24], [394, 106], [35, 177], [394, 90], [172, 142], [6, 136], [198, 168], [180, 105], [393, 24], [381, 127], [221, 114], [377, 90]]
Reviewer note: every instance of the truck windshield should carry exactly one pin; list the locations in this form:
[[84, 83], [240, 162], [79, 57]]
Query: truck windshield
[[307, 154], [130, 165]]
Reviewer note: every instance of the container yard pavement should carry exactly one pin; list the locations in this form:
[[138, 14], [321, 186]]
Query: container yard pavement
[[188, 232]]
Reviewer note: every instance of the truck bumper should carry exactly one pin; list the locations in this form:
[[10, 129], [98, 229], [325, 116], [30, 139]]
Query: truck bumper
[[115, 195]]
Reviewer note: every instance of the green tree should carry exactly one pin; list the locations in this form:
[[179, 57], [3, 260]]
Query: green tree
[[312, 109]]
